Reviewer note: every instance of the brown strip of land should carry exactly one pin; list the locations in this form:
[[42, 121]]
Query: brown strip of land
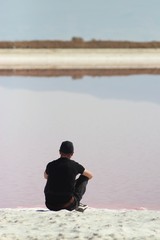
[[78, 43]]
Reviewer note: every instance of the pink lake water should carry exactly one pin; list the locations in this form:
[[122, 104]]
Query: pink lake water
[[114, 123]]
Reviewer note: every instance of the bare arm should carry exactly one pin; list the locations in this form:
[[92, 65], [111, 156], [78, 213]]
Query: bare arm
[[87, 174], [45, 175]]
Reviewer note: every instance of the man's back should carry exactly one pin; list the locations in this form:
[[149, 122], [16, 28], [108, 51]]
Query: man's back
[[61, 179]]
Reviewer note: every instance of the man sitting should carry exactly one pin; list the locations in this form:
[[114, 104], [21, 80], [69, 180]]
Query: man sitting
[[63, 190]]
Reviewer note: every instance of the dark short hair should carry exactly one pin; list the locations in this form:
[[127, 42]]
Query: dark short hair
[[66, 147]]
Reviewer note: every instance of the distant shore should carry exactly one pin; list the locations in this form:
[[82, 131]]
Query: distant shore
[[79, 44], [93, 224], [76, 42]]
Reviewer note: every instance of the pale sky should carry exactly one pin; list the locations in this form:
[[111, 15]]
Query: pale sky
[[136, 20]]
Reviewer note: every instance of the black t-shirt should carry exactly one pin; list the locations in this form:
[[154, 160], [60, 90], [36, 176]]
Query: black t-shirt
[[61, 179]]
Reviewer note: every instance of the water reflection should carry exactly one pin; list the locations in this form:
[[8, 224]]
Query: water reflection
[[134, 88], [113, 122]]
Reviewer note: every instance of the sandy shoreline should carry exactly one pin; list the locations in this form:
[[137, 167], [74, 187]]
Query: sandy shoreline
[[79, 58], [79, 62], [92, 224]]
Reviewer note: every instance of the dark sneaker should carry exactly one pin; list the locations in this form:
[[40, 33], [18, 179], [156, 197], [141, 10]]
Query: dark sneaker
[[82, 207]]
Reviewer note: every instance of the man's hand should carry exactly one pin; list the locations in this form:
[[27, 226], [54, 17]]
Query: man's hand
[[87, 173]]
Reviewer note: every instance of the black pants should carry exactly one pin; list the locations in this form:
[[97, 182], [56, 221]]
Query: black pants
[[80, 188]]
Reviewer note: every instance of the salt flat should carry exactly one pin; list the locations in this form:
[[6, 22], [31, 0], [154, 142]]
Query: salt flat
[[79, 58]]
